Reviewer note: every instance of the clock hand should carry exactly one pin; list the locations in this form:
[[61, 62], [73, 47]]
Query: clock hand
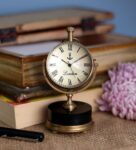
[[80, 58], [72, 71], [65, 62], [69, 65]]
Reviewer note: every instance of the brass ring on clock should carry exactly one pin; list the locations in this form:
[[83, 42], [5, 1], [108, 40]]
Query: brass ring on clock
[[68, 129], [76, 120]]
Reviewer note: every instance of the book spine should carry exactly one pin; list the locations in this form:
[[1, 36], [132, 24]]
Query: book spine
[[22, 96], [8, 35]]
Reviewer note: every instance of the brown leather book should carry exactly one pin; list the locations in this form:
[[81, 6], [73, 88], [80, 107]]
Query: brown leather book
[[50, 25], [22, 65], [22, 94]]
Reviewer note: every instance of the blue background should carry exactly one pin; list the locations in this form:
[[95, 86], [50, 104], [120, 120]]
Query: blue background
[[124, 10]]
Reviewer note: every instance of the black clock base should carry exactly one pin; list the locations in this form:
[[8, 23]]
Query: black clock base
[[61, 120]]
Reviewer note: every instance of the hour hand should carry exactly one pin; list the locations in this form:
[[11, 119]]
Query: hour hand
[[64, 61]]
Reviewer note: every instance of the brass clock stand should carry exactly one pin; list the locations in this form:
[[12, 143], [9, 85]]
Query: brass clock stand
[[69, 116]]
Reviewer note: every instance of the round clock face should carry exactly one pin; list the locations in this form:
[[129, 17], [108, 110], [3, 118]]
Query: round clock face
[[69, 65]]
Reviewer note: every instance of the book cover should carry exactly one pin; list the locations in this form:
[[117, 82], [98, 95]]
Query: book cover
[[47, 25]]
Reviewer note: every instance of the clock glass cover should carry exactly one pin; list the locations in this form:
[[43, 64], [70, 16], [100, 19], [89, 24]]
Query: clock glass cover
[[69, 65]]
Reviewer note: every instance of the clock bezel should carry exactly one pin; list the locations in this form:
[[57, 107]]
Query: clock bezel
[[75, 89]]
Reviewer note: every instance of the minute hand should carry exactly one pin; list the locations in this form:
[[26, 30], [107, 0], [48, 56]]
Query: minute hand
[[80, 58]]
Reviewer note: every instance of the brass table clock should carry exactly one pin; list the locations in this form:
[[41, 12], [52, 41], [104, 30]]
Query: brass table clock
[[69, 68]]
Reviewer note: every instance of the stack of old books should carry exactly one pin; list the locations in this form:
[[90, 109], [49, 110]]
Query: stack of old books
[[26, 40]]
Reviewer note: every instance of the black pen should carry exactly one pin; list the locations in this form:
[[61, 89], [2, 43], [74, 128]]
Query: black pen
[[21, 134]]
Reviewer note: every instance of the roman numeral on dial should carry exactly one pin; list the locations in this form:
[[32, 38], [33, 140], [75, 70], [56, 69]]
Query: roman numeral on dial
[[78, 80], [87, 64], [53, 64], [69, 82], [70, 46], [61, 49], [54, 73], [61, 79], [85, 73], [54, 56], [78, 49]]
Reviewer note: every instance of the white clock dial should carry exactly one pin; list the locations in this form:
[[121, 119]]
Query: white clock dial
[[69, 65]]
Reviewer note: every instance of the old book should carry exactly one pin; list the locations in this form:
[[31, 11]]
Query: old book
[[22, 94], [20, 115], [22, 65], [50, 25]]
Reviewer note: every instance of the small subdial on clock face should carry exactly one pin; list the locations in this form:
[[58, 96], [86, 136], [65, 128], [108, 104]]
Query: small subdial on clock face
[[69, 65]]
